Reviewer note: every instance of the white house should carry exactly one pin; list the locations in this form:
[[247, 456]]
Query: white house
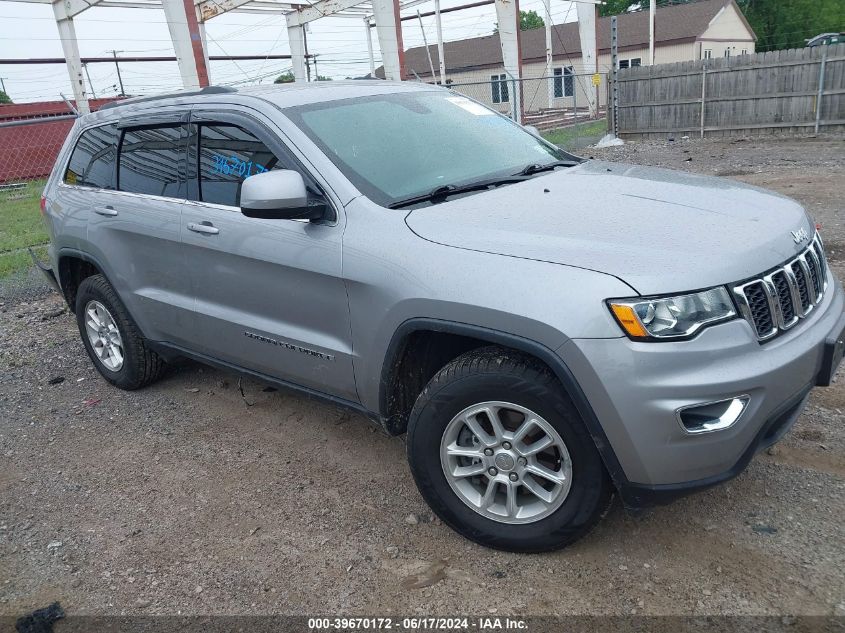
[[683, 32]]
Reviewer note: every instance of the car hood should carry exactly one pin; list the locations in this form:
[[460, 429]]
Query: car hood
[[660, 231]]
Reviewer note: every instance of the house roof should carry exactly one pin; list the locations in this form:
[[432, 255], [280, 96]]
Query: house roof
[[673, 24]]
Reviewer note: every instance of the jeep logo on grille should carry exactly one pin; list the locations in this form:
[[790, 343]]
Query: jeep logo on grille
[[800, 235]]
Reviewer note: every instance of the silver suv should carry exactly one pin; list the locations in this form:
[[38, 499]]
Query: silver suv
[[547, 330]]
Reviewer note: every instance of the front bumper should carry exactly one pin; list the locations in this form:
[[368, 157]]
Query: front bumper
[[635, 390]]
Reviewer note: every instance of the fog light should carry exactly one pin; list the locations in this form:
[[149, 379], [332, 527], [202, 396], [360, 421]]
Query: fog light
[[712, 416]]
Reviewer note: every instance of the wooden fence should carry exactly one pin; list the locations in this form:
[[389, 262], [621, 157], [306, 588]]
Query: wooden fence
[[790, 91]]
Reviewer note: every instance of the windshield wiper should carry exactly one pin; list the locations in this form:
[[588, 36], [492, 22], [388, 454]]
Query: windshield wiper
[[536, 168], [439, 194]]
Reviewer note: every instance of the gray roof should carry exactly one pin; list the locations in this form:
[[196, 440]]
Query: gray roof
[[673, 24]]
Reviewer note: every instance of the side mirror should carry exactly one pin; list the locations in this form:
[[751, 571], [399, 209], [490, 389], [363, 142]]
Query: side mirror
[[531, 130], [278, 195]]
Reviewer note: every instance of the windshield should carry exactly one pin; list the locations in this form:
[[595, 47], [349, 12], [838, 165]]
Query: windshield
[[397, 146]]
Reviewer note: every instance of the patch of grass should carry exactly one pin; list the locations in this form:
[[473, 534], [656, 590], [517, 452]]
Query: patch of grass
[[21, 226], [577, 136], [18, 261]]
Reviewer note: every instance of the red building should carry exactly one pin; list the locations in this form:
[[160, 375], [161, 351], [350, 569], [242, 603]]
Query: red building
[[29, 151]]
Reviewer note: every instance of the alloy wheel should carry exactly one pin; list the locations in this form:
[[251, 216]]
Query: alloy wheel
[[104, 336], [506, 462]]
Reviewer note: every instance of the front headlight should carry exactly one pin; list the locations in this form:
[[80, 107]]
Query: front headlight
[[672, 317]]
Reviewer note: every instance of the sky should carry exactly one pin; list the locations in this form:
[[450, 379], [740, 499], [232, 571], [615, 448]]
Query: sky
[[29, 30]]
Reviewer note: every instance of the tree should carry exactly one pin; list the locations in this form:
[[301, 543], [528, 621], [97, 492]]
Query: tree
[[527, 20], [284, 78], [530, 20], [614, 7], [4, 98], [790, 24]]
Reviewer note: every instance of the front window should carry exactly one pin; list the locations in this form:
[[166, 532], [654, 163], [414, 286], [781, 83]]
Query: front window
[[499, 88], [396, 146], [228, 155], [563, 82]]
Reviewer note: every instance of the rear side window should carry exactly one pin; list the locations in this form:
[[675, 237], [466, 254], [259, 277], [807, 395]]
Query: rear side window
[[92, 161], [227, 156], [152, 161]]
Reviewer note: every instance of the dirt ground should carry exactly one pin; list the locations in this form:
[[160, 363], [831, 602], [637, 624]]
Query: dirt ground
[[184, 499]]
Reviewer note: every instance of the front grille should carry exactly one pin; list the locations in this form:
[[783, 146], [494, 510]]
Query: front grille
[[777, 300], [803, 289], [758, 306], [784, 295]]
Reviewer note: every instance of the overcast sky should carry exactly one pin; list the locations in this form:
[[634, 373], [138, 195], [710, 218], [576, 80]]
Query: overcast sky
[[29, 30]]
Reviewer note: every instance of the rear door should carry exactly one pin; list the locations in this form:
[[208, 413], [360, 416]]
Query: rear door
[[269, 293], [134, 228]]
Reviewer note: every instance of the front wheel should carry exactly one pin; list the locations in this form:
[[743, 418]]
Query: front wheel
[[501, 455]]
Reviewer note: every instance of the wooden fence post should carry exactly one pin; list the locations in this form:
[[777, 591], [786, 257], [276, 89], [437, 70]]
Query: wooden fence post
[[820, 95], [703, 95]]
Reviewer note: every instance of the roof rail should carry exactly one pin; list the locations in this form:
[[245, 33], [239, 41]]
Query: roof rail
[[208, 90]]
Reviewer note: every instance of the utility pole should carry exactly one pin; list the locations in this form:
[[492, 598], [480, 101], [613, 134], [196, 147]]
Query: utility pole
[[316, 72], [651, 10], [370, 47], [90, 83], [614, 78], [3, 85], [305, 42], [440, 43], [427, 51], [119, 78]]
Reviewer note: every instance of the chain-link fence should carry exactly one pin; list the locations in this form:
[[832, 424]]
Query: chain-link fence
[[559, 106], [30, 148]]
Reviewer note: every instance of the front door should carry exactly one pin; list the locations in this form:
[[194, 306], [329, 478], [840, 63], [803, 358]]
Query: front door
[[269, 293]]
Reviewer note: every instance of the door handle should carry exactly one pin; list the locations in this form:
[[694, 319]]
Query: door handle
[[107, 210], [203, 227]]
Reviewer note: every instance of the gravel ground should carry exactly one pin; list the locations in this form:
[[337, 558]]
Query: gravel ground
[[183, 498]]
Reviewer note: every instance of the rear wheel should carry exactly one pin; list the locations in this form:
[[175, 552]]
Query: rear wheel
[[501, 455], [112, 339]]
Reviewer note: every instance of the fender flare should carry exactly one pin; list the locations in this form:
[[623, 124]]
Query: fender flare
[[68, 252], [496, 337]]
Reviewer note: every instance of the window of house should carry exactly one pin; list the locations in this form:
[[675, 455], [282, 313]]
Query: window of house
[[499, 88], [727, 52], [630, 63], [708, 53], [563, 82], [744, 51], [227, 156], [152, 161], [92, 161]]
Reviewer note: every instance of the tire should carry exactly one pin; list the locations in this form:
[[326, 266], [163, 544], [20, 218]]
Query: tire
[[139, 365], [520, 388]]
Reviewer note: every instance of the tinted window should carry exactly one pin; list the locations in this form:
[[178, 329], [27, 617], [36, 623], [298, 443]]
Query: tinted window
[[228, 155], [152, 161], [92, 161]]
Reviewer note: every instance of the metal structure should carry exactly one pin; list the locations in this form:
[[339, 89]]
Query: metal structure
[[186, 20]]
